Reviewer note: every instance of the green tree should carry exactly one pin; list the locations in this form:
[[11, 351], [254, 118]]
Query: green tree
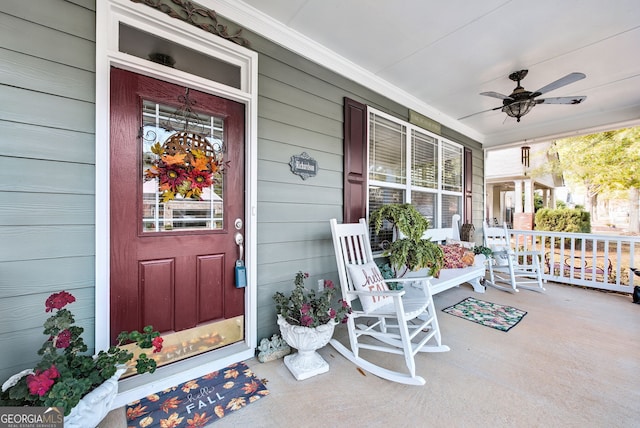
[[603, 163]]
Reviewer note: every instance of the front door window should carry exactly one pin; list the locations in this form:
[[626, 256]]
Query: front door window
[[183, 184]]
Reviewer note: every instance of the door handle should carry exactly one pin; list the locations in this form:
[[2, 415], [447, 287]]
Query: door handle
[[240, 270], [240, 243]]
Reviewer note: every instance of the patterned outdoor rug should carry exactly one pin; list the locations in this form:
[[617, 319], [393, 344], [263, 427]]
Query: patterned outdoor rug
[[198, 402], [486, 313]]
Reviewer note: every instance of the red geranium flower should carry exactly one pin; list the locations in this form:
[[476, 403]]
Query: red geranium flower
[[63, 340], [41, 382], [52, 372], [157, 344], [305, 309], [58, 301], [306, 320]]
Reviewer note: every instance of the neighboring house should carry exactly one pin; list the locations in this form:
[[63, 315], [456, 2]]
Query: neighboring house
[[512, 176], [75, 86]]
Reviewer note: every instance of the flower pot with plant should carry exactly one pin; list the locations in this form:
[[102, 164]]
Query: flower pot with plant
[[307, 320], [481, 249], [408, 251], [67, 377]]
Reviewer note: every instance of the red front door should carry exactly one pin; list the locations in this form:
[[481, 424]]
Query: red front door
[[177, 202]]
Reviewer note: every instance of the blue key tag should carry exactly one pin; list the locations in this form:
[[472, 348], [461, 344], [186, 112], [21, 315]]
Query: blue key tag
[[241, 274]]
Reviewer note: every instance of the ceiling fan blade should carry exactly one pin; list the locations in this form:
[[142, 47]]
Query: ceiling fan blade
[[495, 95], [562, 100], [479, 112], [569, 78]]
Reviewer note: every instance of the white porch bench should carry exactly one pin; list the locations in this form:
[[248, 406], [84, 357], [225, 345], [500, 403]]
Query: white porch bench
[[449, 278]]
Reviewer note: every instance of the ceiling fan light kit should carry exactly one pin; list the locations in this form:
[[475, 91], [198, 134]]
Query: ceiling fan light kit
[[521, 102], [518, 109]]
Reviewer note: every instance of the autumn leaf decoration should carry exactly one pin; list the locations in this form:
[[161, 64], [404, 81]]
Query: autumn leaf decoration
[[184, 173]]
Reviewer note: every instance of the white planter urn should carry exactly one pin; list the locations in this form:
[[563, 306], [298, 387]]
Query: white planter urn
[[306, 362], [92, 408]]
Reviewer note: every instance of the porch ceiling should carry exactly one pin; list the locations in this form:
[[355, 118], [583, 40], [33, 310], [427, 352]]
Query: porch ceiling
[[436, 57]]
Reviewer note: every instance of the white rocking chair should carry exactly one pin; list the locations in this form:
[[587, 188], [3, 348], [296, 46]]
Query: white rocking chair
[[393, 321], [509, 270]]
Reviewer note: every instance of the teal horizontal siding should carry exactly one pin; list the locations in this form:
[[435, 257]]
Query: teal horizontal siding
[[41, 41], [45, 143], [42, 276], [42, 242], [40, 75], [43, 176], [48, 110], [41, 209]]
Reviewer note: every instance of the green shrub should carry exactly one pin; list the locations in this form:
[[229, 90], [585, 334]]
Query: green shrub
[[563, 220]]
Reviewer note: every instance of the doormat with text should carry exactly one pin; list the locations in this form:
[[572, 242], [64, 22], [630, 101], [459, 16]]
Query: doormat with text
[[490, 314], [200, 401]]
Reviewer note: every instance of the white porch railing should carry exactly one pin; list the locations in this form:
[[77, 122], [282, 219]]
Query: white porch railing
[[597, 261]]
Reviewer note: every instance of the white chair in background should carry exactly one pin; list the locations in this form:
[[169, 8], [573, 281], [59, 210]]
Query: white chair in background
[[509, 270]]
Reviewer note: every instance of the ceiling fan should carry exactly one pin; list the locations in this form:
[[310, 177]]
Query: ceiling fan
[[520, 102]]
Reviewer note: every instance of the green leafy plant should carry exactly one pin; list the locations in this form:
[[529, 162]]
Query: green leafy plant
[[481, 249], [385, 269], [404, 217], [408, 251], [66, 373], [310, 309], [387, 272]]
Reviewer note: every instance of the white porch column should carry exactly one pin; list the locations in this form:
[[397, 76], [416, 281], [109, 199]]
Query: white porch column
[[552, 198], [490, 203], [518, 196], [528, 196]]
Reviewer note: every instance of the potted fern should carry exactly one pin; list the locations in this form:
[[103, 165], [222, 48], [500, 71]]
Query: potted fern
[[408, 251]]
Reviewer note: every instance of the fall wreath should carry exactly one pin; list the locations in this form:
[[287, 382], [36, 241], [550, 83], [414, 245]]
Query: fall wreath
[[184, 165]]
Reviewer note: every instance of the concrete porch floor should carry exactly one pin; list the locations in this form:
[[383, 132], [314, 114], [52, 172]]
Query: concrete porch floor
[[573, 361]]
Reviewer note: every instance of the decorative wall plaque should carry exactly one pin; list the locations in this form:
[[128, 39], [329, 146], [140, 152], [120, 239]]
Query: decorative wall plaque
[[304, 165]]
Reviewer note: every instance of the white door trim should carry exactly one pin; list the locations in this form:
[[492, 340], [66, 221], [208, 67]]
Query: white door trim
[[109, 13]]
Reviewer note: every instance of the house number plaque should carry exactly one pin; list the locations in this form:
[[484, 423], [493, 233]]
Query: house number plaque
[[304, 165]]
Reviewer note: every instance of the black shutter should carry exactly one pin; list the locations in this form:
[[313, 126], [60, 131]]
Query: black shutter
[[355, 161]]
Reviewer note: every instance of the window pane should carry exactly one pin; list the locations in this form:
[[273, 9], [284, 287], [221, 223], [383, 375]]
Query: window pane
[[451, 167], [379, 196], [451, 205], [182, 187], [424, 160], [425, 203], [387, 150], [151, 47]]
